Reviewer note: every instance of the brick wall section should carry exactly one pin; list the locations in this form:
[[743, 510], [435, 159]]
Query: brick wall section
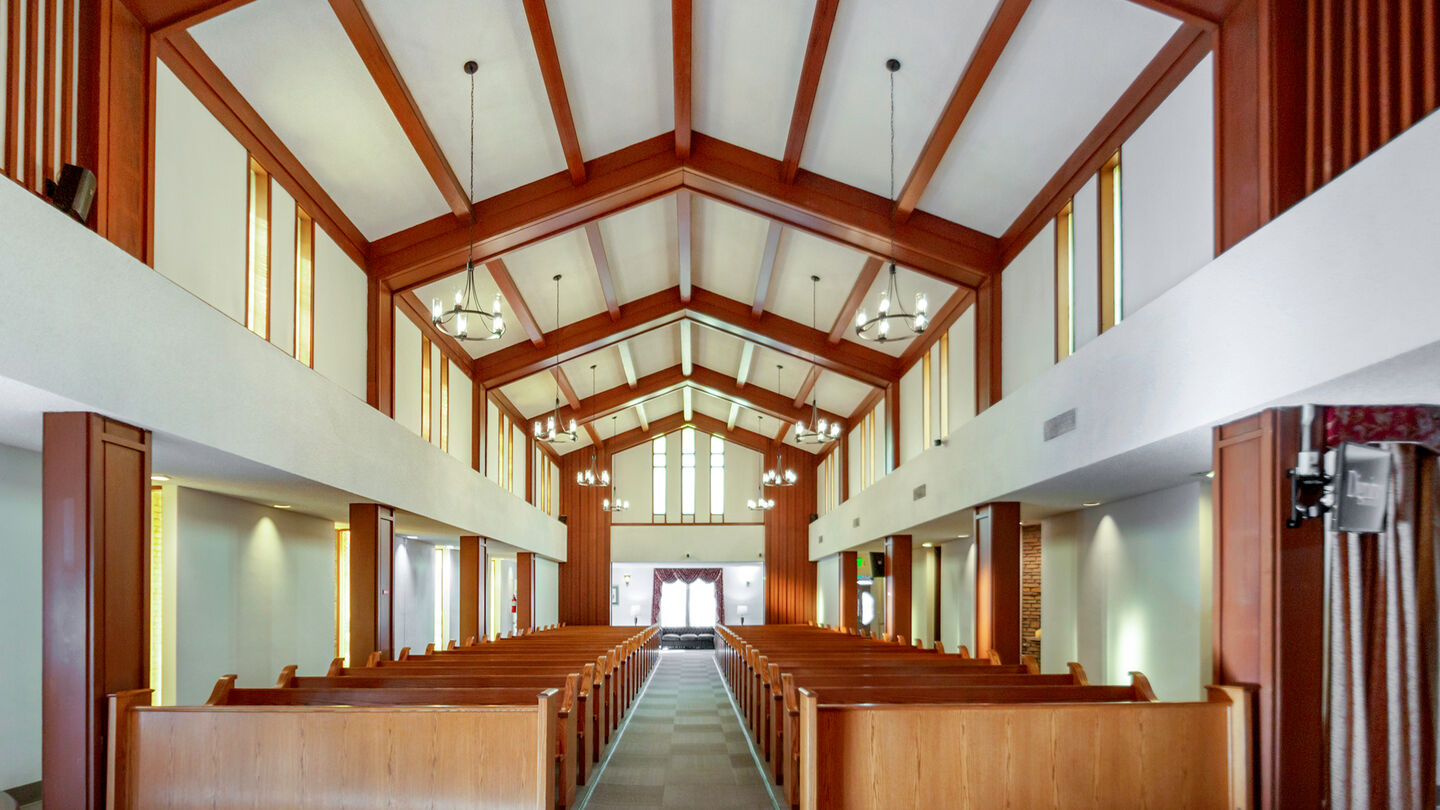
[[1030, 590]]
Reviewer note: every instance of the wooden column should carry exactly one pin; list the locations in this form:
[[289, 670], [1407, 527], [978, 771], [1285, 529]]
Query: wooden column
[[987, 344], [380, 348], [585, 574], [789, 571], [478, 413], [892, 427], [849, 591], [524, 590], [372, 580], [472, 587], [1269, 600], [997, 580], [897, 585], [95, 586]]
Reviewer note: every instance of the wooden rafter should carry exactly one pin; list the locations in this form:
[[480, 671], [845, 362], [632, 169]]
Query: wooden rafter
[[567, 391], [538, 18], [846, 315], [767, 270], [806, 386], [681, 18], [520, 311], [366, 39], [992, 43], [627, 363], [1207, 14], [602, 269], [684, 218], [1180, 55], [819, 42]]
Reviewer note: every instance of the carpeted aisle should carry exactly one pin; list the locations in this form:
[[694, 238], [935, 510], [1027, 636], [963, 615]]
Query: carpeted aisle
[[683, 746]]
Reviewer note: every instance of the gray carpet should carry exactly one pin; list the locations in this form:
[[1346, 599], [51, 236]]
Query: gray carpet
[[683, 745]]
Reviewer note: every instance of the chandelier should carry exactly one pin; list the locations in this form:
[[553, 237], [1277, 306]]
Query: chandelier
[[612, 503], [593, 477], [761, 503], [458, 320], [554, 432], [891, 310], [819, 431], [775, 477]]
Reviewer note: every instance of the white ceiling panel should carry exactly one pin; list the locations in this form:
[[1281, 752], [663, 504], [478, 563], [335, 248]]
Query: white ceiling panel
[[581, 442], [608, 372], [762, 371], [729, 245], [641, 245], [716, 351], [664, 405], [849, 138], [618, 67], [839, 394], [656, 350], [516, 141], [802, 255], [909, 282], [293, 63], [716, 407], [534, 268], [532, 396], [1049, 89], [445, 290], [623, 421], [747, 58]]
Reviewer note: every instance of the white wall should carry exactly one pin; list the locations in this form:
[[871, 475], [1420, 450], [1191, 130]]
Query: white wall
[[827, 590], [962, 369], [407, 373], [854, 446], [922, 596], [631, 471], [20, 605], [637, 595], [340, 312], [912, 412], [1141, 574], [414, 605], [957, 594], [547, 592], [256, 591], [1087, 262], [1167, 180], [1027, 317], [462, 392], [492, 438], [686, 542]]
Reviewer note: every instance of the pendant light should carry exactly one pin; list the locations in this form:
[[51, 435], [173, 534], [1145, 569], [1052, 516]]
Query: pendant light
[[457, 322], [593, 477], [553, 432], [775, 476], [819, 431], [613, 504], [761, 503], [905, 324]]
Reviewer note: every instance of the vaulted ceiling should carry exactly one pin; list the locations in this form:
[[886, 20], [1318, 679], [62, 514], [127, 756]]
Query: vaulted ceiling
[[686, 166]]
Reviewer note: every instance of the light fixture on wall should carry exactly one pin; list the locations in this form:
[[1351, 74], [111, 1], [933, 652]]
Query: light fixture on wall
[[890, 311], [458, 320], [777, 476], [761, 503], [819, 431], [593, 476], [553, 431], [614, 504]]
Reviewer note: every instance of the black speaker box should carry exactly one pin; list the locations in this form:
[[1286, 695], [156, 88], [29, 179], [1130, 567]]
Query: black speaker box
[[74, 193]]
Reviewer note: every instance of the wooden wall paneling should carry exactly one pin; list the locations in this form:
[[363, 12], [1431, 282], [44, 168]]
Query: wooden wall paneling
[[372, 579], [380, 348], [472, 586], [47, 140], [1269, 588], [997, 580], [849, 591], [988, 354], [11, 124], [524, 590], [114, 120], [585, 574], [789, 573], [898, 585], [32, 62], [95, 591]]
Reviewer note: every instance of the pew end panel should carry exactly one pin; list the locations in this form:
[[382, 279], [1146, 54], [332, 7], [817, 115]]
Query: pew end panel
[[287, 676]]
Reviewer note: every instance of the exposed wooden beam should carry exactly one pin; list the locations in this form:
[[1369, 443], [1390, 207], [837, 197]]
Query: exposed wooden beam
[[821, 24], [1207, 14], [511, 293], [684, 221], [784, 429], [1180, 55], [747, 354], [640, 414], [807, 386], [538, 18], [594, 434], [366, 39], [414, 309], [669, 424], [992, 43], [681, 17], [602, 269], [190, 64], [687, 399], [165, 18], [686, 353], [567, 391], [853, 301], [627, 363], [767, 269], [734, 414]]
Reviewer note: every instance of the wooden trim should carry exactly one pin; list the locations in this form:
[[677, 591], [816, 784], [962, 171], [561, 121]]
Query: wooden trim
[[602, 269], [1207, 14], [992, 44], [479, 432], [176, 21], [846, 315], [1163, 74], [681, 28], [47, 162], [806, 386], [567, 391], [200, 75], [1063, 335], [380, 351], [425, 380], [988, 352], [816, 46], [767, 267], [543, 37], [32, 19], [415, 310], [866, 405], [12, 93], [366, 39], [67, 88], [511, 293], [686, 249], [1108, 247]]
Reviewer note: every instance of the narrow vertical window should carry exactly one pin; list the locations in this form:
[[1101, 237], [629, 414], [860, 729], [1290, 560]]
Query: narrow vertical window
[[717, 478], [687, 472], [425, 388], [657, 477], [1065, 283], [257, 253], [445, 405], [925, 389], [304, 287], [157, 591], [342, 594], [1111, 248], [945, 384]]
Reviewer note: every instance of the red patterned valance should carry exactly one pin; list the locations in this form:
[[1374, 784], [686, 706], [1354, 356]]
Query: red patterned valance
[[689, 575], [1419, 424]]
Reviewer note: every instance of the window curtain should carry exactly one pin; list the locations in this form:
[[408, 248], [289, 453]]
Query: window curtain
[[1382, 631], [689, 575]]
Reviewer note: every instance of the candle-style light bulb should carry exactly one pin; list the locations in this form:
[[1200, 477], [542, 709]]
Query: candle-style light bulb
[[459, 297], [860, 319], [921, 302], [461, 324], [885, 304], [435, 310]]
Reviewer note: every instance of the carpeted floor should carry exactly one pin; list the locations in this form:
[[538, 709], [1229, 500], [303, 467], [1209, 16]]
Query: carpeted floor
[[683, 746]]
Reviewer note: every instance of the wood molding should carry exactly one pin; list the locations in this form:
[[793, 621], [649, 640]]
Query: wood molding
[[410, 304], [366, 39], [380, 348], [992, 44], [988, 353], [684, 219], [855, 299], [602, 269], [203, 78], [681, 28], [767, 269], [541, 34], [1180, 55], [511, 293], [816, 46]]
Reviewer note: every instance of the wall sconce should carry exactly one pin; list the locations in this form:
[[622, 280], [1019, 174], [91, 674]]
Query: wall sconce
[[627, 580]]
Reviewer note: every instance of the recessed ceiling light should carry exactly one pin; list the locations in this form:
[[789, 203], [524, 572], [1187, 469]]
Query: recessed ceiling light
[[159, 478], [927, 545], [962, 536], [1092, 503], [281, 505]]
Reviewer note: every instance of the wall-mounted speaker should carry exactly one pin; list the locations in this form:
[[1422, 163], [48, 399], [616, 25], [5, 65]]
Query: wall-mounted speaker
[[877, 563], [74, 193]]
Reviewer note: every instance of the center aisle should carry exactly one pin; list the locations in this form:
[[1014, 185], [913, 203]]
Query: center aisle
[[683, 745]]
